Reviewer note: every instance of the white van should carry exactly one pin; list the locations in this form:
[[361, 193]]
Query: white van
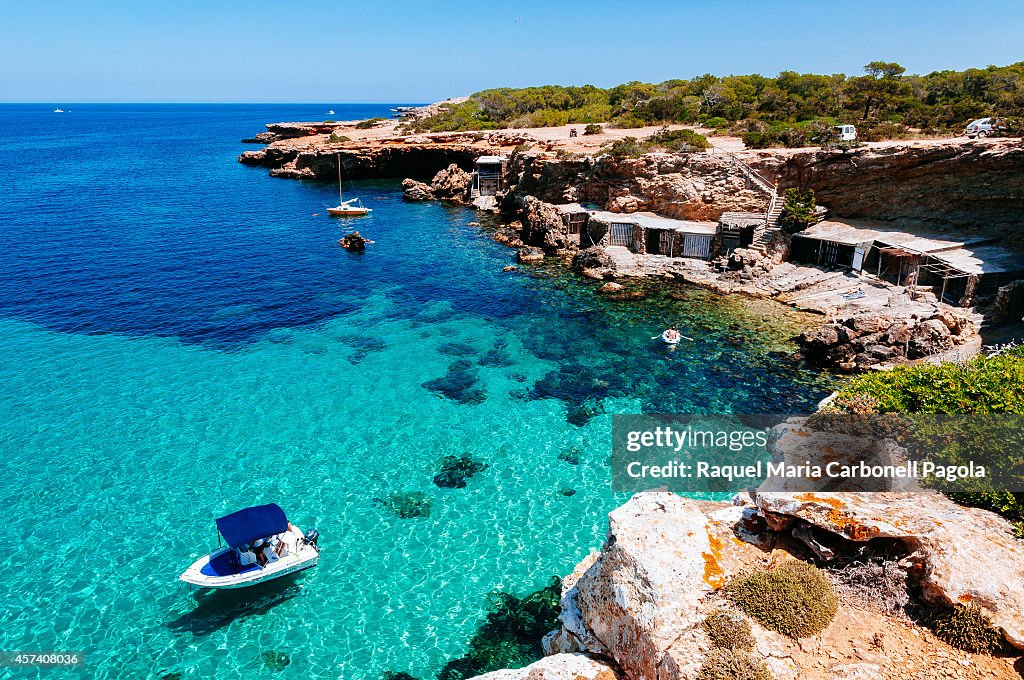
[[846, 133]]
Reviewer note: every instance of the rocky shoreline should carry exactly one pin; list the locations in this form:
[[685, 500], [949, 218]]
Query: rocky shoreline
[[976, 187]]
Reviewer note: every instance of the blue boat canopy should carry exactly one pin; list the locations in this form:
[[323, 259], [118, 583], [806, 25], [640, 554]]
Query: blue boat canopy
[[245, 526]]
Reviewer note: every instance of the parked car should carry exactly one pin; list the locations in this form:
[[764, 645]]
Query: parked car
[[984, 127]]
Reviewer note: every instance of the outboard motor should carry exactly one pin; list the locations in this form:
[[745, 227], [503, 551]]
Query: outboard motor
[[311, 537]]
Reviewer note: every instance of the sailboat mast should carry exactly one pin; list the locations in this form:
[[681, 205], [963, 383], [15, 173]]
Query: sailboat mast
[[340, 199]]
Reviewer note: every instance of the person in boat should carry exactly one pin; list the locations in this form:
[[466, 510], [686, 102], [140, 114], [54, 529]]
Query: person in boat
[[672, 334]]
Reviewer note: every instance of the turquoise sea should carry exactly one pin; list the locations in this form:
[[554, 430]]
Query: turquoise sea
[[181, 337]]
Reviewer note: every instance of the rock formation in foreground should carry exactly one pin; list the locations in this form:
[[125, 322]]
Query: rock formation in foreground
[[640, 606]]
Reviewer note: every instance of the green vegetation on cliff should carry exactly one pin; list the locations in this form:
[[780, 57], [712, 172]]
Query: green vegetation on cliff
[[790, 108], [984, 386]]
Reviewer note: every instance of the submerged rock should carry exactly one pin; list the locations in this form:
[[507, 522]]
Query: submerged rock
[[455, 470], [275, 661], [458, 384], [570, 455], [406, 505]]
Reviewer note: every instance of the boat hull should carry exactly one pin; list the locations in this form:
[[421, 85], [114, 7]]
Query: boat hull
[[668, 341], [347, 212], [212, 571]]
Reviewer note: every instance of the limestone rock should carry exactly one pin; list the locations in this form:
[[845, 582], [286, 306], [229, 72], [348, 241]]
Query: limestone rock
[[531, 255], [641, 603], [543, 224], [452, 184], [558, 667], [416, 191], [611, 287], [966, 555]]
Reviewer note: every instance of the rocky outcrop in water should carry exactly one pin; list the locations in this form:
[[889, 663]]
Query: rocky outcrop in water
[[319, 160], [977, 187]]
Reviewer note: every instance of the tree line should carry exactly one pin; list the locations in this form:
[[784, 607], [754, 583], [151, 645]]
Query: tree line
[[884, 102]]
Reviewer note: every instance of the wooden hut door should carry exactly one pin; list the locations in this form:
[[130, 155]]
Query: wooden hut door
[[829, 253], [622, 234], [667, 245], [696, 246]]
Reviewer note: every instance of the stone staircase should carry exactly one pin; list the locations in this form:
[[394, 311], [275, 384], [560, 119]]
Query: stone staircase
[[762, 235]]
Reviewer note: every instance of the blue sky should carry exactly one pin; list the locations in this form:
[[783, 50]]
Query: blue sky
[[423, 51]]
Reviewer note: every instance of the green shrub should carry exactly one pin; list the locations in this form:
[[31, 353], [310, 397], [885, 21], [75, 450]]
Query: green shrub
[[593, 129], [799, 210], [716, 122], [627, 147], [678, 140], [629, 121], [728, 631], [759, 140], [368, 123], [329, 120], [335, 138], [729, 664], [794, 599], [983, 386], [966, 628]]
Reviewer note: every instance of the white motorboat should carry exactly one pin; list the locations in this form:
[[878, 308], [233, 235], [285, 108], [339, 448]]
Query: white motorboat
[[331, 112], [261, 545], [58, 110]]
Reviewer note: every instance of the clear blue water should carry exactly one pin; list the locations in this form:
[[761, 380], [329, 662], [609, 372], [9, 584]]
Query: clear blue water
[[181, 336]]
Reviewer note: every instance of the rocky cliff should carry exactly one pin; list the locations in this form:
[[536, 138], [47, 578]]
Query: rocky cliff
[[976, 187], [691, 186], [640, 607], [396, 161]]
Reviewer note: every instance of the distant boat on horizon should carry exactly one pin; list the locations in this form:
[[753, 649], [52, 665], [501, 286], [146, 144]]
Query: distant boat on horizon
[[58, 110], [331, 112]]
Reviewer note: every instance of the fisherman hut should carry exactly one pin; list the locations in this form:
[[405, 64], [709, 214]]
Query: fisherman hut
[[488, 179]]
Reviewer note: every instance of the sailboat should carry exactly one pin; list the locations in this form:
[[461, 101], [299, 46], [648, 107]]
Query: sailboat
[[58, 110], [353, 207]]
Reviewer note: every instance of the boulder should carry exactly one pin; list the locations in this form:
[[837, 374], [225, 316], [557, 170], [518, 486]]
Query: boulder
[[530, 255], [416, 191], [964, 555], [644, 597], [558, 667], [543, 224], [354, 242], [452, 184], [611, 288]]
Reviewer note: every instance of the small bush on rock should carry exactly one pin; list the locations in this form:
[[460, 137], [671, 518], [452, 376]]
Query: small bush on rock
[[728, 631], [794, 599], [799, 211], [966, 628], [592, 129], [368, 123], [729, 664]]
